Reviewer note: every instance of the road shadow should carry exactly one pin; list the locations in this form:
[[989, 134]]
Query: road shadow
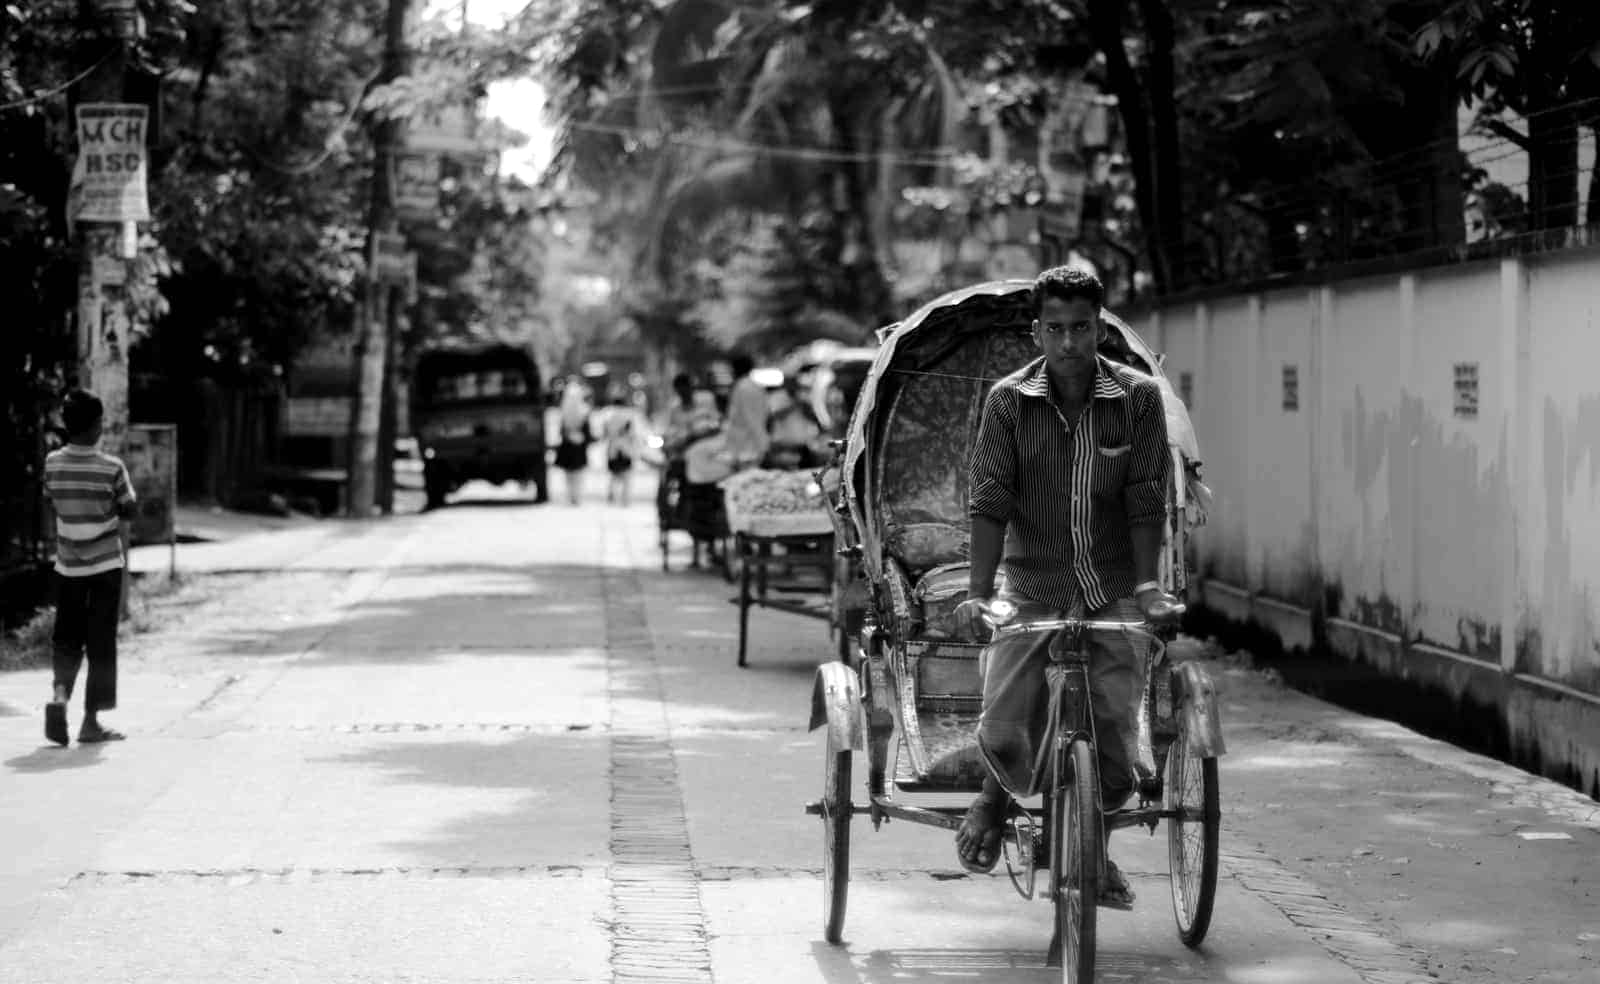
[[430, 613], [55, 758], [910, 965], [550, 818]]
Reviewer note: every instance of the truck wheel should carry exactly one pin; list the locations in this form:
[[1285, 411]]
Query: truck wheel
[[436, 486]]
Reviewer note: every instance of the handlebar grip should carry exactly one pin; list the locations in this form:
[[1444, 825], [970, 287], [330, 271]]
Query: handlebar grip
[[997, 612]]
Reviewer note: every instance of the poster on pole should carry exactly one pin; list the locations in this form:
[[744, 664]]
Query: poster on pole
[[417, 184], [392, 263], [110, 177], [151, 454]]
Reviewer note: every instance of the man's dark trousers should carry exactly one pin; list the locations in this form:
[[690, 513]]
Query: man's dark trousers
[[87, 609]]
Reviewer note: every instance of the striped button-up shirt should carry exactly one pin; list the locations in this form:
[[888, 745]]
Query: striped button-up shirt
[[90, 493], [1067, 491]]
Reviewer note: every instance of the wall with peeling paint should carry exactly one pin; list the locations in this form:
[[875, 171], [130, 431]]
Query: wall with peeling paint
[[1463, 478], [1228, 342], [1558, 608], [1428, 500]]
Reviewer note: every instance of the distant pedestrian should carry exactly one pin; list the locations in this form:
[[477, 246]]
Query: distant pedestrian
[[797, 438], [92, 498], [577, 433], [679, 414], [619, 428], [747, 415]]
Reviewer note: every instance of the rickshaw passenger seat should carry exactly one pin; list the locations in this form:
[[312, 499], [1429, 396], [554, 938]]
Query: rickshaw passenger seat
[[920, 547]]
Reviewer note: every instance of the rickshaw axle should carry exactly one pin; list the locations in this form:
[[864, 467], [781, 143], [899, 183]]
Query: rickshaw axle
[[950, 817]]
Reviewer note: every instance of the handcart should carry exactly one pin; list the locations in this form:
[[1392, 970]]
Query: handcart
[[783, 553], [908, 692]]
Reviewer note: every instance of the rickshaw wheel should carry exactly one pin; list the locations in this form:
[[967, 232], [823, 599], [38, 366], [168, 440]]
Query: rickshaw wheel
[[1192, 834], [836, 812], [1075, 845]]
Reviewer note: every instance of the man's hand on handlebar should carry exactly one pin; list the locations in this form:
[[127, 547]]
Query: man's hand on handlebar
[[968, 619], [1160, 608], [975, 617]]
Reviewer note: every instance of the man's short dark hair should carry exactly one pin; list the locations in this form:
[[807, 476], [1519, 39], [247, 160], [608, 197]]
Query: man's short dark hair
[[741, 363], [1065, 283], [80, 411]]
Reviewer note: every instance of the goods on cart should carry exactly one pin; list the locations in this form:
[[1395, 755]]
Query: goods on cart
[[765, 502]]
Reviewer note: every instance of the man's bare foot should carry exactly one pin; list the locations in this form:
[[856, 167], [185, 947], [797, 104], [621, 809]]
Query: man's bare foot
[[978, 840], [1115, 892]]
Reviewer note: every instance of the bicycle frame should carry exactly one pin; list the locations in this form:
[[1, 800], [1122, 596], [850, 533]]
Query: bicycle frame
[[1067, 677]]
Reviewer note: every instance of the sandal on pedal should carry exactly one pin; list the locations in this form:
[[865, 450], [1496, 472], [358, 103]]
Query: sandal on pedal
[[1115, 892], [983, 826]]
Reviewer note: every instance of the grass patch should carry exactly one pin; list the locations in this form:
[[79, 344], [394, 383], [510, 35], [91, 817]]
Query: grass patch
[[150, 598], [27, 646]]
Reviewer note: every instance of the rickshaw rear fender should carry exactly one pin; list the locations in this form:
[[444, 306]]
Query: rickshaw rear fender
[[836, 702], [1195, 694]]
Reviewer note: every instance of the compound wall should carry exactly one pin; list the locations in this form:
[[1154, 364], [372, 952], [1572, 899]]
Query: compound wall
[[1406, 472]]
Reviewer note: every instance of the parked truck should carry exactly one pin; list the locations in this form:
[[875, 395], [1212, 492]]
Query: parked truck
[[478, 413]]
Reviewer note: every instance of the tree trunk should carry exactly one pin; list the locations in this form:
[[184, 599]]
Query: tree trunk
[[366, 454], [1592, 216], [1431, 196], [1552, 123], [104, 314], [1418, 137], [858, 249], [1167, 167], [1105, 25]]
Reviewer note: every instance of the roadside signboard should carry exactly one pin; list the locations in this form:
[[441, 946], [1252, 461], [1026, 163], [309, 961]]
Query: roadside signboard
[[151, 454], [448, 129], [393, 264], [110, 175], [316, 416], [417, 183]]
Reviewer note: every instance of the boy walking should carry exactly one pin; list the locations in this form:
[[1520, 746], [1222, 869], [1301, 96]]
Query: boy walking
[[92, 497]]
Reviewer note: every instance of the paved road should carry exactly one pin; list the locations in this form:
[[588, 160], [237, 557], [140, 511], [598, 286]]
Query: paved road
[[496, 743]]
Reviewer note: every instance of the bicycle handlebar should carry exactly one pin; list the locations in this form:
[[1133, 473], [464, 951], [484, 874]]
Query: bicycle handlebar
[[998, 615]]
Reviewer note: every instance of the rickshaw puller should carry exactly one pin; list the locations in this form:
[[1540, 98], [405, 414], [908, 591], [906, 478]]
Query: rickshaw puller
[[1068, 488]]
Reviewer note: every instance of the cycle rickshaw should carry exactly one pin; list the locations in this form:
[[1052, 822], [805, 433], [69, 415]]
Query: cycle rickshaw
[[908, 692]]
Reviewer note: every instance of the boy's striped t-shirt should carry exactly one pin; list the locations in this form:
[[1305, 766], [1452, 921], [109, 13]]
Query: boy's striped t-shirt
[[90, 492]]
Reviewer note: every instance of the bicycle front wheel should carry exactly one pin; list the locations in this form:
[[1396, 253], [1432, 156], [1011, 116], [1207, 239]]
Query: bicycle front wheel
[[1190, 790], [1075, 844], [836, 812]]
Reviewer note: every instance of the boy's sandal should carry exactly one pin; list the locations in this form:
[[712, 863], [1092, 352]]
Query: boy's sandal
[[100, 735], [55, 722]]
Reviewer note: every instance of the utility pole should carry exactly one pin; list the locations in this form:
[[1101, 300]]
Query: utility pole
[[376, 317], [104, 315]]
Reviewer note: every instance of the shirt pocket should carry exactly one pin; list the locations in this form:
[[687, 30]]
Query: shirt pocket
[[1109, 470]]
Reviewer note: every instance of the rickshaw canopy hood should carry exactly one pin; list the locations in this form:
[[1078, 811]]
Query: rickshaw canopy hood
[[947, 354]]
